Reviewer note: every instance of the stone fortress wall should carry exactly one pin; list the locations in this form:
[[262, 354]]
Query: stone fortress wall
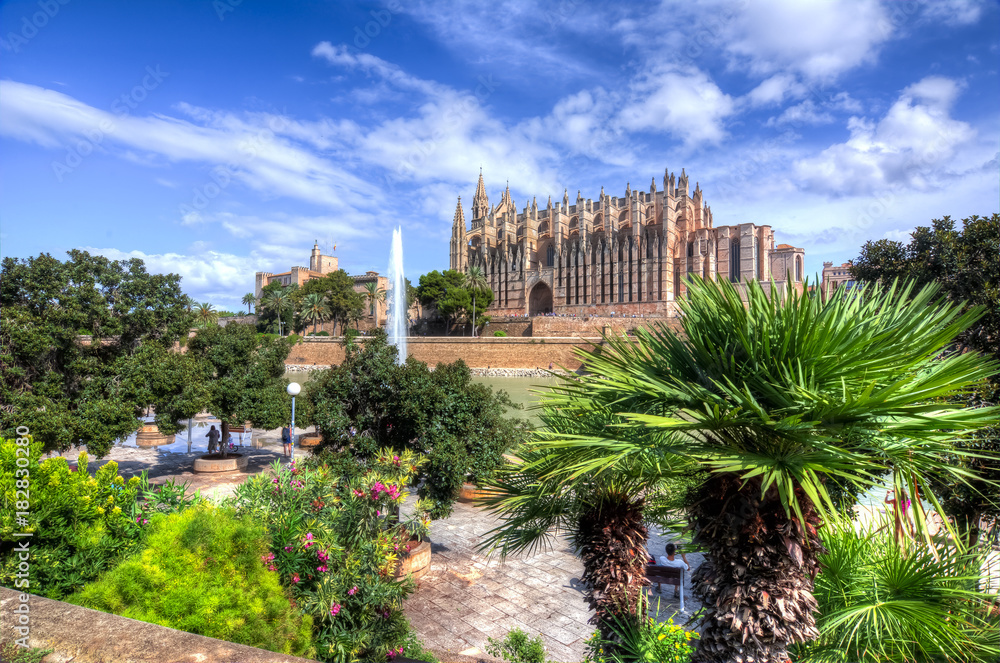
[[482, 352]]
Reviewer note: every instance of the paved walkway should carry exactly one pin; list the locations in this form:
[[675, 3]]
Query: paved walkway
[[466, 598]]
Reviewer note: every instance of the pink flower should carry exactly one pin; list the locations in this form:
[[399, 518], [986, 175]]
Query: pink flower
[[271, 568], [334, 609], [309, 536], [377, 513], [288, 549], [321, 569], [308, 544], [295, 578], [352, 591]]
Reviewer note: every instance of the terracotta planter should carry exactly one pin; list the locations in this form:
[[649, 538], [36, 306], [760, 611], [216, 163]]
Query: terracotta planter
[[470, 493], [150, 436], [417, 561]]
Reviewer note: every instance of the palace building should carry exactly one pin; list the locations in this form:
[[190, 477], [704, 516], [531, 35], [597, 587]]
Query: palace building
[[618, 255]]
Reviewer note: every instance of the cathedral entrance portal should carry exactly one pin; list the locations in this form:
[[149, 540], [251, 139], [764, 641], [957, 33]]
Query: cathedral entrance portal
[[540, 300]]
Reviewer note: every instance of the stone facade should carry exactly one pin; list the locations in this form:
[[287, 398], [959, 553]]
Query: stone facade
[[319, 266], [616, 256], [836, 276]]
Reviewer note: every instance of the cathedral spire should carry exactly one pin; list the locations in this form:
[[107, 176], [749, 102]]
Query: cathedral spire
[[480, 202]]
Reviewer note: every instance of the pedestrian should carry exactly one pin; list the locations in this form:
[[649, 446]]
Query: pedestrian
[[286, 440], [213, 439], [669, 560]]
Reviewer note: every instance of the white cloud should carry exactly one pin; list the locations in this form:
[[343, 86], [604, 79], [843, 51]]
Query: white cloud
[[911, 146], [820, 39], [775, 90], [954, 12], [684, 102], [809, 112]]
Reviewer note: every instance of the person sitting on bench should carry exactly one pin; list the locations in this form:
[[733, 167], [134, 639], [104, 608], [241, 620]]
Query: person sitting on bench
[[670, 561]]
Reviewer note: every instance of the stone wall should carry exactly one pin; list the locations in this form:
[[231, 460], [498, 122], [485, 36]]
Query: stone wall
[[589, 327], [476, 352]]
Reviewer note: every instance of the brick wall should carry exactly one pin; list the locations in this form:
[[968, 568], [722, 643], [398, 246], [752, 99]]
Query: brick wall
[[555, 326], [476, 352]]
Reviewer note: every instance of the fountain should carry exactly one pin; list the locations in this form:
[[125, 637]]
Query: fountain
[[396, 325]]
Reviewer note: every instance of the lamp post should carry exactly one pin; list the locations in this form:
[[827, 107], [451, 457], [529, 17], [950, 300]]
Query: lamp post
[[293, 390]]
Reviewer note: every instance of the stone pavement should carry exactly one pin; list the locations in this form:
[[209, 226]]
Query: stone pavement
[[466, 598]]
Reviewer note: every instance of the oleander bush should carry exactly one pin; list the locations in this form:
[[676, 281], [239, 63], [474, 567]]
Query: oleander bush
[[205, 571], [335, 542], [81, 525]]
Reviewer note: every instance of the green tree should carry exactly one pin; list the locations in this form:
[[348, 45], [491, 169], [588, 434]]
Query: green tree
[[370, 402], [476, 283], [445, 292], [314, 309], [278, 302], [767, 395], [249, 300], [338, 288], [64, 390], [242, 376], [206, 314], [964, 263], [373, 294]]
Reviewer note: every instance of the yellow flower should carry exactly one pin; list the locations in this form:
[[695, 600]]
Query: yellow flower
[[661, 636], [116, 511], [100, 511]]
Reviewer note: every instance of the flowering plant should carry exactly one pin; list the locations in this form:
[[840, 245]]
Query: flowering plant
[[336, 543]]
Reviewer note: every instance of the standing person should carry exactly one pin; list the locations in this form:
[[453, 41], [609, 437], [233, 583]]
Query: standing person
[[669, 560], [286, 440], [898, 513], [213, 440]]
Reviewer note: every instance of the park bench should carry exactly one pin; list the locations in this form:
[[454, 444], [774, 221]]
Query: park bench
[[667, 575]]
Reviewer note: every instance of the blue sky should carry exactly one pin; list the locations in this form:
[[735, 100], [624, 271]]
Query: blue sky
[[218, 138]]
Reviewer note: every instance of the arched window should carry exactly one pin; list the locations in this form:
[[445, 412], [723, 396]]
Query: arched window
[[734, 260], [798, 269], [550, 256]]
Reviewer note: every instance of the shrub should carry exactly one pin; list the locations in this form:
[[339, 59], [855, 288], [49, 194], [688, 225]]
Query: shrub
[[294, 338], [647, 641], [320, 333], [336, 542], [499, 332], [517, 647], [203, 572], [81, 525], [883, 600], [370, 402]]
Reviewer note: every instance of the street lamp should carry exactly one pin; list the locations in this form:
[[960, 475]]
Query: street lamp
[[293, 390]]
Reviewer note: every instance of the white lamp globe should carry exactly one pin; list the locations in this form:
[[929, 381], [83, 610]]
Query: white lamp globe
[[294, 388]]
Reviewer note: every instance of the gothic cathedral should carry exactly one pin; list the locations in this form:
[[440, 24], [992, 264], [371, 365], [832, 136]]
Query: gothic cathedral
[[621, 256]]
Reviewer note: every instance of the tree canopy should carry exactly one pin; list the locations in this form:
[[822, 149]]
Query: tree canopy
[[370, 402], [448, 294], [965, 263], [66, 391]]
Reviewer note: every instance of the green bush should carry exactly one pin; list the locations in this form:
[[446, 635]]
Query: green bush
[[370, 402], [294, 338], [882, 600], [81, 525], [336, 542], [320, 333], [205, 571], [517, 647], [645, 641], [499, 332]]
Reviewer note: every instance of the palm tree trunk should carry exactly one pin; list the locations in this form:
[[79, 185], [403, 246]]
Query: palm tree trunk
[[611, 542], [473, 315], [757, 578]]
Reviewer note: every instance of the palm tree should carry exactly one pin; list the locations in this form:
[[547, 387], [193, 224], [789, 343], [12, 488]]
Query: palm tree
[[277, 301], [374, 294], [475, 279], [768, 397], [206, 314], [314, 309], [249, 300]]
